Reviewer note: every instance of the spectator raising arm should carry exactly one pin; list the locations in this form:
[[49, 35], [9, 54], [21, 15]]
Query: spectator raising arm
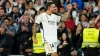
[[11, 1], [1, 2], [65, 16]]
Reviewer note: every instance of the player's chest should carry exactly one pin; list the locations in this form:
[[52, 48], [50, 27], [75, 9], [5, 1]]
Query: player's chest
[[49, 20]]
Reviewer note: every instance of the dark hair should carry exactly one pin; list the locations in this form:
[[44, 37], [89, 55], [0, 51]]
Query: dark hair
[[81, 26], [83, 15], [49, 4], [7, 19], [42, 8], [1, 5], [15, 6], [85, 10], [29, 2], [3, 9], [8, 2], [67, 38], [34, 1], [61, 7]]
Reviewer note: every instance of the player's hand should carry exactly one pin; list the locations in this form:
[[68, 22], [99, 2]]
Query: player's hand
[[35, 41]]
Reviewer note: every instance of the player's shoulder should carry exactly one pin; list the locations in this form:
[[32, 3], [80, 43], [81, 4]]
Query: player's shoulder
[[57, 16], [54, 15], [42, 14]]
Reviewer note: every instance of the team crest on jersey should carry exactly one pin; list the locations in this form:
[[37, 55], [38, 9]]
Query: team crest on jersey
[[51, 22]]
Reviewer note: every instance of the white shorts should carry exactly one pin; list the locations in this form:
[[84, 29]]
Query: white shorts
[[50, 47]]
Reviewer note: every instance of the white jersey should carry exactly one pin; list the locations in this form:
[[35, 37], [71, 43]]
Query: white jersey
[[49, 26]]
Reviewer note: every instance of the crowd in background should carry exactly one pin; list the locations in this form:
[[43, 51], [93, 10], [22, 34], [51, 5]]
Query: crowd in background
[[17, 19]]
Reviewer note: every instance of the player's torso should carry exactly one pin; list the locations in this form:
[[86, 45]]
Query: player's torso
[[49, 25]]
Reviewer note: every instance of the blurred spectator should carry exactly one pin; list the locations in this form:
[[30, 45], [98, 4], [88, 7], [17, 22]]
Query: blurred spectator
[[24, 33], [75, 7], [8, 7], [87, 43], [96, 7], [22, 9], [61, 11], [21, 5], [30, 4], [84, 20], [37, 5], [9, 29], [85, 11], [90, 11], [75, 13], [2, 15], [67, 18], [61, 29], [69, 22], [98, 12], [32, 13], [79, 2], [6, 43], [76, 36], [66, 3], [15, 14], [64, 47]]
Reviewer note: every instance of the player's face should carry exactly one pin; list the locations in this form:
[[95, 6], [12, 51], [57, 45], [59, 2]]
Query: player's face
[[52, 7]]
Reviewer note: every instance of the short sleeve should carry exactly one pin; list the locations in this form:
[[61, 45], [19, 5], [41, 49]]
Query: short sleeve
[[38, 19]]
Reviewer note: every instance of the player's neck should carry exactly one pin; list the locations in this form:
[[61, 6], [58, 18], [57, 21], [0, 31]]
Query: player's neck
[[48, 12]]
